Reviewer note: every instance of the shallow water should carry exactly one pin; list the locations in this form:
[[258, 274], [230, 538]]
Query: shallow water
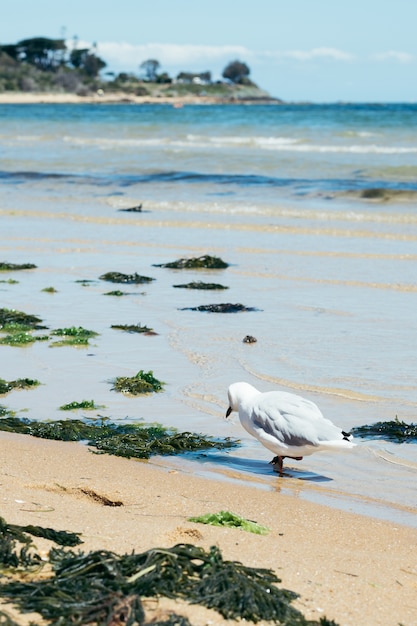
[[274, 191]]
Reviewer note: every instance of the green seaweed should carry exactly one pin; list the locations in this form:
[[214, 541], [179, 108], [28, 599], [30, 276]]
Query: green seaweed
[[86, 405], [74, 331], [10, 281], [118, 293], [71, 341], [231, 520], [394, 430], [128, 440], [20, 339], [133, 328], [200, 285], [19, 318], [128, 279], [102, 587], [220, 308], [73, 336], [202, 262], [20, 383], [50, 290], [142, 382], [7, 267]]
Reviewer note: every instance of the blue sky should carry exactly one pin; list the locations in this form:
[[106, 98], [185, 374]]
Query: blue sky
[[298, 50]]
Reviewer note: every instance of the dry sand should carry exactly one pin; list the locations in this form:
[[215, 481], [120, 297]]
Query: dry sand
[[12, 97], [353, 569]]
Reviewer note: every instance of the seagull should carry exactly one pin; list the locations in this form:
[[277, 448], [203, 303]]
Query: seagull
[[286, 424]]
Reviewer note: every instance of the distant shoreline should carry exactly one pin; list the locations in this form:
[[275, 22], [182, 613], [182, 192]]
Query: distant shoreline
[[12, 97]]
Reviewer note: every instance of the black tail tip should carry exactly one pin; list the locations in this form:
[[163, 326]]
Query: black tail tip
[[346, 436]]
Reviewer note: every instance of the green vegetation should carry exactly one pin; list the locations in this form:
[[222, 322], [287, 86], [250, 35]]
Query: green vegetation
[[7, 267], [127, 440], [74, 331], [134, 328], [21, 339], [50, 290], [73, 336], [220, 308], [128, 279], [394, 430], [10, 281], [142, 382], [200, 285], [231, 520], [203, 262], [20, 383], [87, 405]]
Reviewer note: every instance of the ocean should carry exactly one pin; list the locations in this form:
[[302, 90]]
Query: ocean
[[314, 209]]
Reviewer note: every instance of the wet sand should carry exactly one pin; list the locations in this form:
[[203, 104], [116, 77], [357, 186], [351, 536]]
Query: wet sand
[[350, 568]]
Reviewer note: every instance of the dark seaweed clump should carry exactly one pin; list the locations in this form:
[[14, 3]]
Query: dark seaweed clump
[[134, 328], [118, 293], [10, 319], [127, 440], [20, 383], [220, 308], [142, 382], [128, 279], [375, 193], [101, 587], [200, 285], [12, 533], [202, 262], [6, 267], [394, 430]]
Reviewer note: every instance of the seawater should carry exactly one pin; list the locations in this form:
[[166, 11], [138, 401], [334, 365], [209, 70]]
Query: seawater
[[313, 207]]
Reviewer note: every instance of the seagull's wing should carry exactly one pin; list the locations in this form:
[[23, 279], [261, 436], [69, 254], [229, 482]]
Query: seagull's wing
[[292, 420]]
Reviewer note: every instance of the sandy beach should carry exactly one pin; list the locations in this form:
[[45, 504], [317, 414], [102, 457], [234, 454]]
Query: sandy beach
[[12, 97], [352, 569]]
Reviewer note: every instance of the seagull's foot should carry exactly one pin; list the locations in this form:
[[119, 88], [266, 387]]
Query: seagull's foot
[[277, 462]]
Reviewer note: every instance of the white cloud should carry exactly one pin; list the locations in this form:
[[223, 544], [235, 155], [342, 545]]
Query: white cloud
[[394, 55], [317, 53], [189, 57]]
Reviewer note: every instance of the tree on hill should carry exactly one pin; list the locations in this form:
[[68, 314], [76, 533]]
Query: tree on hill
[[44, 53], [88, 62], [236, 71], [150, 67]]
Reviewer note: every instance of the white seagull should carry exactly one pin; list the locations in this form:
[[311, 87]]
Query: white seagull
[[287, 424]]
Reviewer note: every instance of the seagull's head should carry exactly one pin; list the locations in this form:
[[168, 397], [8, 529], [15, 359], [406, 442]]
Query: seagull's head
[[237, 392]]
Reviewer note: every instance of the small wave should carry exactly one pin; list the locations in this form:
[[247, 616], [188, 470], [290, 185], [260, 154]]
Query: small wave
[[284, 144]]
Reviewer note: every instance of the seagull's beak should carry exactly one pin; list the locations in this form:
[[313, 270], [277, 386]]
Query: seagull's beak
[[229, 410]]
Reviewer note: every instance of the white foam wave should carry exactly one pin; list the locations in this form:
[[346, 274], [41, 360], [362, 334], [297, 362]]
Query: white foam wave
[[284, 144]]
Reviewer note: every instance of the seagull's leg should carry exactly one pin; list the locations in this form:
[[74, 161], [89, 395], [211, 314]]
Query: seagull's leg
[[278, 460]]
